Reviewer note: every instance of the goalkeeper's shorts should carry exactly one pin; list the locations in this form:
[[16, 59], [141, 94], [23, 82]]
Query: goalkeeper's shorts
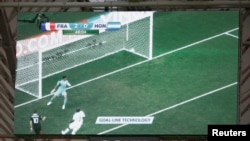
[[60, 93]]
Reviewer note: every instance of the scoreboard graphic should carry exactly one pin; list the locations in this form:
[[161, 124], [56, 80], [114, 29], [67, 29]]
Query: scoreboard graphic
[[80, 28]]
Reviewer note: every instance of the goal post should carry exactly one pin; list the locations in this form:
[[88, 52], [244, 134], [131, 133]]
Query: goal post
[[27, 74], [139, 37], [135, 36]]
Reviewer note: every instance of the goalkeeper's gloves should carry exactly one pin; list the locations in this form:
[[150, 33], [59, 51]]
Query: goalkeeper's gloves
[[53, 91]]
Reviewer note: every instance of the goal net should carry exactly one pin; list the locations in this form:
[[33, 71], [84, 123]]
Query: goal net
[[135, 36]]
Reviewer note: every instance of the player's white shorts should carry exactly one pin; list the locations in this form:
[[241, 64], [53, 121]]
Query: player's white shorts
[[75, 126]]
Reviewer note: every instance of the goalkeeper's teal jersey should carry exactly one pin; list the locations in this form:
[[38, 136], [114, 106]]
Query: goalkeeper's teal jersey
[[62, 85]]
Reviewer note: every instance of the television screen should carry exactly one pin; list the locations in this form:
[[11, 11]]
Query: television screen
[[126, 73]]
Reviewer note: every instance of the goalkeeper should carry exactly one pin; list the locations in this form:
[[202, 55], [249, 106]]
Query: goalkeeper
[[60, 90]]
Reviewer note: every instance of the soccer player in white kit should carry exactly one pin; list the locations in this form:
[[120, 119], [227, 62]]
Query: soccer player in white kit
[[76, 122], [60, 90]]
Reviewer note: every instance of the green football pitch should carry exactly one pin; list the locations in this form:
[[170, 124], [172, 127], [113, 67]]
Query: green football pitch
[[190, 82]]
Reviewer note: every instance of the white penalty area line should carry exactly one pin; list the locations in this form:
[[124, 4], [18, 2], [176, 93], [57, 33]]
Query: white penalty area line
[[136, 64], [174, 106], [229, 34], [195, 43]]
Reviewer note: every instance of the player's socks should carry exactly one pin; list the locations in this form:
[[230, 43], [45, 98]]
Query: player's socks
[[65, 101], [52, 98]]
